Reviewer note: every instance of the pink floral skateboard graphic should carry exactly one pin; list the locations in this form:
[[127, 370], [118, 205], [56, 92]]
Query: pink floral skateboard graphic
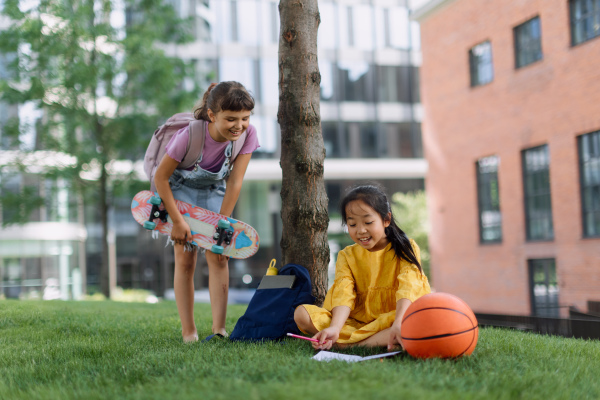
[[212, 231]]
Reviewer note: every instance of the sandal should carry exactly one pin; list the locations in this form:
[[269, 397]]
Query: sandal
[[209, 337]]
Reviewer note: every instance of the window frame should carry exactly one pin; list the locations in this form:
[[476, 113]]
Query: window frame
[[480, 200], [519, 63], [582, 186], [573, 22], [474, 68], [527, 198], [545, 263]]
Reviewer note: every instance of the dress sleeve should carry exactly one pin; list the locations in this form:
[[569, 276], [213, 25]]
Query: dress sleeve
[[412, 283], [342, 291]]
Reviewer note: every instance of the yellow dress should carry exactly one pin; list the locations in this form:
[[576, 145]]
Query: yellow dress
[[370, 283]]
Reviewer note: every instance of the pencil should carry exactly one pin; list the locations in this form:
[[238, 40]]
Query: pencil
[[303, 337]]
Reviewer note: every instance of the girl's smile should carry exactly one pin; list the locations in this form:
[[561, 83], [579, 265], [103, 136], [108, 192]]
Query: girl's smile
[[228, 125], [365, 226]]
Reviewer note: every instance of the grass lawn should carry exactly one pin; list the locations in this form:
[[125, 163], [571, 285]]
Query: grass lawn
[[101, 350]]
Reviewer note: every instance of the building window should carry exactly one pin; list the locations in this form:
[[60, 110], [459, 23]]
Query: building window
[[234, 17], [543, 287], [585, 20], [401, 140], [350, 26], [589, 170], [488, 198], [356, 81], [528, 42], [331, 139], [369, 140], [397, 84], [481, 65], [387, 42], [274, 11], [536, 188]]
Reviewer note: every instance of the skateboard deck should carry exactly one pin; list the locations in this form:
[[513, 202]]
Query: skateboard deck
[[210, 230]]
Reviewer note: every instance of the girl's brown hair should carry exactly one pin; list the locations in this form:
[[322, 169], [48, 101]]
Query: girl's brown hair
[[229, 95]]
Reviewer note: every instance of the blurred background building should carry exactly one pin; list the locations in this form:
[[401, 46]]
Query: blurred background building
[[369, 58], [512, 137]]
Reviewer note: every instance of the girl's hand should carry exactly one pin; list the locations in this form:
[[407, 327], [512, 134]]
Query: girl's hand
[[181, 232], [395, 337], [327, 337]]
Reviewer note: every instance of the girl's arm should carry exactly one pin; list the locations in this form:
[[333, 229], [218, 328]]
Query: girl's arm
[[328, 336], [401, 306], [234, 184], [181, 231]]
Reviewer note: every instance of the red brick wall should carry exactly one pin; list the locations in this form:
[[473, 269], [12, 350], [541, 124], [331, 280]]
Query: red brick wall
[[549, 102]]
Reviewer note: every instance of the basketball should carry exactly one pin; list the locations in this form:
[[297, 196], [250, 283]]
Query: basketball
[[439, 325]]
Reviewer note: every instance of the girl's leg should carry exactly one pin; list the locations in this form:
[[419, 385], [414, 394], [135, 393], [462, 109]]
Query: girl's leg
[[218, 287], [380, 339], [185, 265], [302, 319]]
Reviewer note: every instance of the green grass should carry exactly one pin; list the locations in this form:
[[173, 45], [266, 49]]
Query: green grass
[[101, 350]]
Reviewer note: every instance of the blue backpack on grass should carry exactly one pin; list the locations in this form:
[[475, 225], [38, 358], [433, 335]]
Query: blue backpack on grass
[[270, 314]]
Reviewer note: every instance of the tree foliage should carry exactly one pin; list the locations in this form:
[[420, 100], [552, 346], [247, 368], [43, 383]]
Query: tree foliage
[[94, 71]]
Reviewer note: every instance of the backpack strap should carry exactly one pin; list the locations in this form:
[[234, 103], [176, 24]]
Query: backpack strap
[[237, 145], [197, 130]]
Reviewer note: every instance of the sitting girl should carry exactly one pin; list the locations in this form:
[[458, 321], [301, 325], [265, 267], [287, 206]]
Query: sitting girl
[[376, 279]]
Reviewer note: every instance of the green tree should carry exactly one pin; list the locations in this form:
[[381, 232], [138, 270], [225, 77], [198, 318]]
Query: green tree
[[410, 212], [96, 72]]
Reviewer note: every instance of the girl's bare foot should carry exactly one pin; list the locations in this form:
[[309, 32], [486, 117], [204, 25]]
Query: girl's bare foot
[[221, 332], [190, 338]]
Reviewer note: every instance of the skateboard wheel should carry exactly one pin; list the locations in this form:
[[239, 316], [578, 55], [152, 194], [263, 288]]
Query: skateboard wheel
[[223, 223], [155, 200], [217, 249], [149, 225]]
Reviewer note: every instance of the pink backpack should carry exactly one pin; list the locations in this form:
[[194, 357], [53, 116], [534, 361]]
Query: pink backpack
[[164, 133]]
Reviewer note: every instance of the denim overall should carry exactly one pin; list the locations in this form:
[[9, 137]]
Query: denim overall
[[200, 187]]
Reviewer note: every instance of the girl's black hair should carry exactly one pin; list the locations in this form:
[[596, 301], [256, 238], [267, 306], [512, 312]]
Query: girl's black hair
[[376, 198], [228, 95]]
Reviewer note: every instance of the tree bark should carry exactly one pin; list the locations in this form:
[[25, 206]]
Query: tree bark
[[103, 204], [303, 197]]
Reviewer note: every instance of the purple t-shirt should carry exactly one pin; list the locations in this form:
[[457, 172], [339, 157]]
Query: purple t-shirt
[[213, 154]]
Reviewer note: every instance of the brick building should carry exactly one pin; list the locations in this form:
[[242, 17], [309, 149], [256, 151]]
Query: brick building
[[511, 132]]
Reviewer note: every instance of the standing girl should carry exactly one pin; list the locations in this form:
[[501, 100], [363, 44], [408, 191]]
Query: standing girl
[[376, 279], [226, 107]]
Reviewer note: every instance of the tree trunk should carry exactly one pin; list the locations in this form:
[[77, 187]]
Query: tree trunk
[[303, 197], [103, 204]]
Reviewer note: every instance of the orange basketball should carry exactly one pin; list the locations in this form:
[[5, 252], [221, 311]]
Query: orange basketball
[[439, 325]]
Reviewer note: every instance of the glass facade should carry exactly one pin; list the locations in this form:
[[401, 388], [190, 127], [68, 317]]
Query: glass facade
[[41, 240], [348, 74], [589, 170]]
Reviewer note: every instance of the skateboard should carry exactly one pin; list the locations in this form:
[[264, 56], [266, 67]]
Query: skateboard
[[211, 231]]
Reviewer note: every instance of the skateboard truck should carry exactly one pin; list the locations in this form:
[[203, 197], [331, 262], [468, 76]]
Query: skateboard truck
[[155, 213], [222, 234]]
